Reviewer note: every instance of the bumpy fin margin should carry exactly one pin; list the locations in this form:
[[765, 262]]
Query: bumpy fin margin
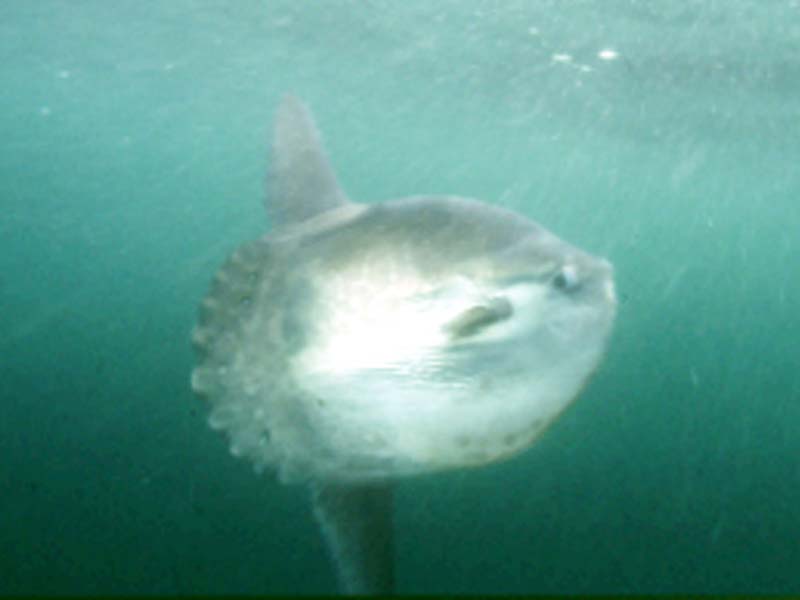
[[226, 305]]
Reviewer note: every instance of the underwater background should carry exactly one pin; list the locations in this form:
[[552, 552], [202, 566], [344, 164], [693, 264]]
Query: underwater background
[[662, 135]]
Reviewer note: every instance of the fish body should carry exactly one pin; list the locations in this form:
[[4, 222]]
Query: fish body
[[357, 344]]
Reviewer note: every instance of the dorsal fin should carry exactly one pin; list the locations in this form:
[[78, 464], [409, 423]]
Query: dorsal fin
[[301, 183]]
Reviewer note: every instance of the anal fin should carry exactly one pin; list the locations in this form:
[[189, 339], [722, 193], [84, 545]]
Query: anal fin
[[356, 522]]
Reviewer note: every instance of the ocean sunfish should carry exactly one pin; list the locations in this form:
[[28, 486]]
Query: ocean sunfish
[[355, 344]]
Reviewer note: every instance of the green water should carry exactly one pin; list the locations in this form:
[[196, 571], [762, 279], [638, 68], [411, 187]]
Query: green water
[[134, 146]]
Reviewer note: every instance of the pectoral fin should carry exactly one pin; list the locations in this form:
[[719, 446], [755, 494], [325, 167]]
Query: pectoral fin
[[356, 522], [472, 320]]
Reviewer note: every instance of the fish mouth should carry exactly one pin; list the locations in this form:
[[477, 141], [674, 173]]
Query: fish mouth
[[609, 292]]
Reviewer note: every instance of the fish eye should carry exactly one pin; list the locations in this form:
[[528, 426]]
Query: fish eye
[[566, 280]]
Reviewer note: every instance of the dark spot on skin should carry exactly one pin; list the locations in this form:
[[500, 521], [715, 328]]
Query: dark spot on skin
[[462, 441], [510, 439]]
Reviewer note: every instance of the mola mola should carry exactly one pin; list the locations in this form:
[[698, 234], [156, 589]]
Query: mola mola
[[356, 344]]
